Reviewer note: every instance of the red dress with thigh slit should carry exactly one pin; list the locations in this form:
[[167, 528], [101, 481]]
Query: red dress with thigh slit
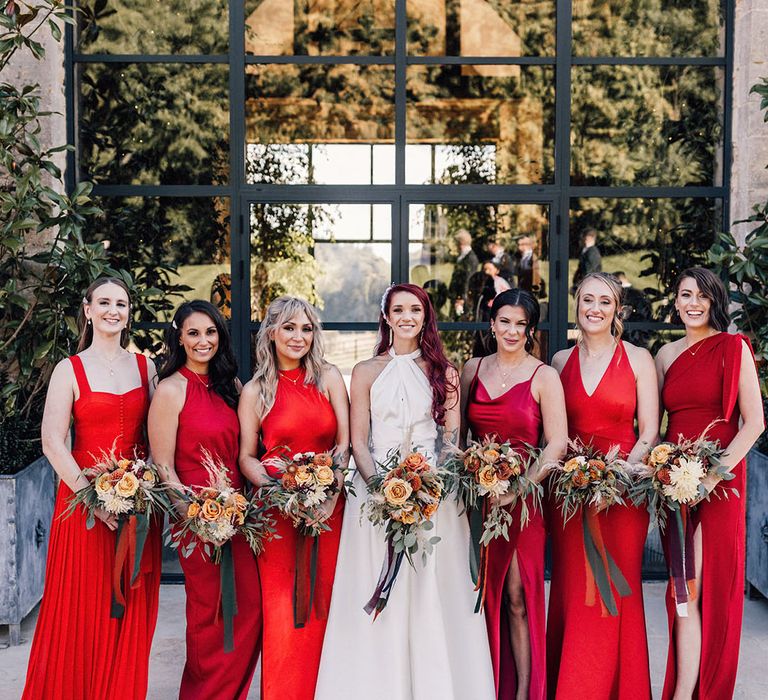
[[79, 652], [700, 386], [589, 652], [513, 416]]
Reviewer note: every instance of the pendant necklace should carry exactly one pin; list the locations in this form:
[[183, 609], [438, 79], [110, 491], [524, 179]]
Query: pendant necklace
[[504, 374]]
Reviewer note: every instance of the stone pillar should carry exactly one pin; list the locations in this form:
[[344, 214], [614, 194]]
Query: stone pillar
[[749, 176]]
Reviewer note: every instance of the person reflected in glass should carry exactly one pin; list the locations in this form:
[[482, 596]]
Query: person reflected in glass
[[502, 260], [295, 402], [709, 376], [194, 411], [517, 398], [636, 308], [79, 650], [590, 259], [610, 387], [466, 264], [526, 264]]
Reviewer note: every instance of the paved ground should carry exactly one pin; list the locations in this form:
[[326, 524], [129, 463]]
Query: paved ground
[[168, 648]]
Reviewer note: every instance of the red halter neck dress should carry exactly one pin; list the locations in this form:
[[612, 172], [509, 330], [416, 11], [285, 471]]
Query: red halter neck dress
[[79, 652], [616, 647], [513, 416]]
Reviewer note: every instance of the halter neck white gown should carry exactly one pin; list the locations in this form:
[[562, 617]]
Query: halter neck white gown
[[427, 643]]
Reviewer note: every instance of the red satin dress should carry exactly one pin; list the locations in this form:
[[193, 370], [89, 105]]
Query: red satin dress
[[302, 420], [587, 648], [207, 422], [699, 387], [79, 652], [513, 416]]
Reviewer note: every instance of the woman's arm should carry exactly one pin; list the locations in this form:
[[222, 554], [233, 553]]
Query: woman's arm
[[467, 374], [337, 395], [360, 418], [249, 414], [554, 421], [647, 383], [450, 432]]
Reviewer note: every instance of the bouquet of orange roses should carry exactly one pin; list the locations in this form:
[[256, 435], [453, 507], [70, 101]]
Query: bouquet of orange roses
[[214, 515], [673, 485], [491, 468], [131, 490], [305, 481], [404, 495], [588, 481]]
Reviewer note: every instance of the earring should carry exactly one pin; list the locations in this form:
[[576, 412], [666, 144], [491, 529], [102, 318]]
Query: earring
[[493, 334], [88, 322]]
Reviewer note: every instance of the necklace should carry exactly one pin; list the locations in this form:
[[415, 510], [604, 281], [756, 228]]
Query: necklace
[[283, 374], [602, 353], [504, 374], [109, 363], [699, 343], [200, 379]]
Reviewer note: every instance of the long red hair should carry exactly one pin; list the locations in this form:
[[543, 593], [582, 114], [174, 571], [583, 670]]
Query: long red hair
[[430, 344]]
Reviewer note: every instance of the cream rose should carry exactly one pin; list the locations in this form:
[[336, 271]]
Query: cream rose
[[103, 483], [573, 464], [324, 475], [397, 491], [660, 453], [127, 486], [303, 476]]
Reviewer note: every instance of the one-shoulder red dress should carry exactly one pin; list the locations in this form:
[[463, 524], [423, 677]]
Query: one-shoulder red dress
[[79, 652], [586, 646], [700, 386], [513, 416], [207, 422], [301, 420]]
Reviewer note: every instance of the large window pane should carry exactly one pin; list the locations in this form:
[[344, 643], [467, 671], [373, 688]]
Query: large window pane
[[469, 126], [154, 124], [646, 125], [337, 257], [649, 28], [320, 124], [152, 27], [506, 28], [319, 27]]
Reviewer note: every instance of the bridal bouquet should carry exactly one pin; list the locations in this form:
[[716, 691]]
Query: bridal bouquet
[[673, 485], [490, 468], [589, 480], [214, 515], [404, 495], [131, 490], [305, 481]]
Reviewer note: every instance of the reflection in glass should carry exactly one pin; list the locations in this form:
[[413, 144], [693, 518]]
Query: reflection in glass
[[154, 124], [337, 257], [646, 125], [649, 28], [319, 27], [320, 124], [464, 127], [152, 27], [650, 241], [481, 28]]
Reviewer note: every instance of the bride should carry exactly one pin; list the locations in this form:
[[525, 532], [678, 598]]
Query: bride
[[427, 643]]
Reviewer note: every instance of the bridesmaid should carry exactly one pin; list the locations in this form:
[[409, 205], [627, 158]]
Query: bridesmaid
[[609, 384], [710, 375], [79, 652], [516, 397], [195, 409], [299, 401]]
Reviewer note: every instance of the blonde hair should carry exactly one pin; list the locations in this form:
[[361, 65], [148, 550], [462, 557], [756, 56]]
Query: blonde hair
[[617, 292], [265, 376]]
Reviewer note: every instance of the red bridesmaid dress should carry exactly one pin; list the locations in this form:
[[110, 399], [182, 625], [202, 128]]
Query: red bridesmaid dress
[[302, 420], [586, 646], [207, 422], [513, 416], [700, 386], [79, 652]]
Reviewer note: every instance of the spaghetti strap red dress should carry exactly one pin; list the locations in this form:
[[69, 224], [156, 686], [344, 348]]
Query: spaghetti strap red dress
[[513, 416], [79, 652], [700, 386], [207, 422], [302, 420], [587, 647]]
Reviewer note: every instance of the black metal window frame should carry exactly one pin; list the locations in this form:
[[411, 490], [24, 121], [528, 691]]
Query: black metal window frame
[[557, 196]]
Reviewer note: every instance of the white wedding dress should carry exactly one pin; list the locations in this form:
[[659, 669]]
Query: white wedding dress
[[427, 644]]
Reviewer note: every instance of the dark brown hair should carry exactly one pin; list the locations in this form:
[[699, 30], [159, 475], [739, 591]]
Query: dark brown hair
[[711, 285], [85, 328]]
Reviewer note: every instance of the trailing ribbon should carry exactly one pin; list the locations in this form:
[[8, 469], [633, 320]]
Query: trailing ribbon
[[602, 571], [682, 565], [387, 577], [304, 581], [478, 553], [228, 595]]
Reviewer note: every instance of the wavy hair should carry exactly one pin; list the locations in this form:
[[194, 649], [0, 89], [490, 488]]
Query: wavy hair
[[222, 369], [617, 292], [709, 283], [86, 329], [527, 302], [266, 375], [430, 344]]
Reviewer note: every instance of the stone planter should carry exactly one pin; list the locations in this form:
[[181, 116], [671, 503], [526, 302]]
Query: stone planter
[[757, 523], [26, 509]]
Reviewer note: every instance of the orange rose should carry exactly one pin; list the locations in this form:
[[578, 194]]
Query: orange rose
[[241, 502], [324, 475], [573, 464], [397, 492], [660, 453], [428, 510], [579, 479], [487, 477], [192, 510], [472, 463], [408, 515], [322, 460], [415, 460], [663, 476], [289, 481], [103, 483], [509, 469], [490, 456], [127, 486], [211, 510], [596, 467], [414, 480], [229, 512]]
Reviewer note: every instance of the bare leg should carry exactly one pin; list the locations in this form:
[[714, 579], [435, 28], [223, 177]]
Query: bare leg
[[688, 635], [518, 628]]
